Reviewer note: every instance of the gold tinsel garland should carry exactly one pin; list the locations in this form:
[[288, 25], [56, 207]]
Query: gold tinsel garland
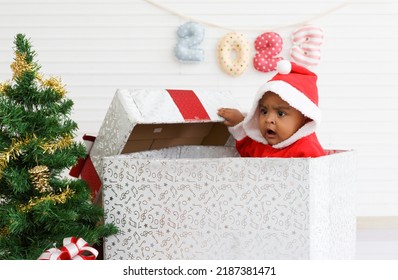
[[53, 83], [3, 86], [55, 198], [51, 147], [20, 65], [39, 176], [16, 148], [12, 153]]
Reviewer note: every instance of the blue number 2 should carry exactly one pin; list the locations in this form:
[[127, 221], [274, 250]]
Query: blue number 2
[[190, 35]]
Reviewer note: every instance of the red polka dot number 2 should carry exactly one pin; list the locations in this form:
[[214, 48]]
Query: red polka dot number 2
[[268, 45]]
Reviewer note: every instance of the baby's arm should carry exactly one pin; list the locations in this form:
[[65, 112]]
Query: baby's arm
[[232, 116]]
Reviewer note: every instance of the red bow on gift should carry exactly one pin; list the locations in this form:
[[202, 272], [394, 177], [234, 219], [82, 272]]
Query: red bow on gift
[[73, 249]]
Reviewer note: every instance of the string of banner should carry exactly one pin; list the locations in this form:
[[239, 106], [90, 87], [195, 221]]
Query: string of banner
[[233, 49]]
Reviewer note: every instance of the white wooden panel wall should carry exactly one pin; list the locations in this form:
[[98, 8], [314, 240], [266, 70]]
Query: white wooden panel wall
[[97, 46]]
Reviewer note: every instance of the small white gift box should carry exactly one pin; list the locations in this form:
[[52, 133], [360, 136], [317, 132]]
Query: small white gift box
[[197, 199]]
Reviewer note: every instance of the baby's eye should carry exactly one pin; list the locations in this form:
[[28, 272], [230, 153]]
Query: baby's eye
[[263, 111], [281, 113]]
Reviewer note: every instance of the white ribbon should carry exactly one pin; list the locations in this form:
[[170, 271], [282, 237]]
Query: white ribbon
[[73, 249]]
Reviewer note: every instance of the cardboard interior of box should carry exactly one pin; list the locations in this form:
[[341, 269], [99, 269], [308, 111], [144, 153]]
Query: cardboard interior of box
[[156, 136]]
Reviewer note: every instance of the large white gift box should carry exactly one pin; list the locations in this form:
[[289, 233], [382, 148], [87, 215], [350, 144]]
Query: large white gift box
[[176, 189], [207, 203]]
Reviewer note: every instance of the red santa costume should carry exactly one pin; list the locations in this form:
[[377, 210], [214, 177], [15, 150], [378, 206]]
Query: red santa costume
[[297, 86]]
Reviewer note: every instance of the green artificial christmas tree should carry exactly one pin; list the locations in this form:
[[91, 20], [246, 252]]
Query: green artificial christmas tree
[[38, 206]]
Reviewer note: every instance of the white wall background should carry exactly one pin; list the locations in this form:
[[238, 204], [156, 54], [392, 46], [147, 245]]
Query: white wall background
[[97, 46]]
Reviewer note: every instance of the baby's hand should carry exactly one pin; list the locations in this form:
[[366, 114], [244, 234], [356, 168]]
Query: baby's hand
[[232, 116]]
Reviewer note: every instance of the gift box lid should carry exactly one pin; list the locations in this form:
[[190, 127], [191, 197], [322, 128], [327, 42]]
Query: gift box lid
[[167, 118], [161, 118]]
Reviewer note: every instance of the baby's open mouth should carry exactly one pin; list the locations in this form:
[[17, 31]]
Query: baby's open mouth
[[270, 135], [270, 132]]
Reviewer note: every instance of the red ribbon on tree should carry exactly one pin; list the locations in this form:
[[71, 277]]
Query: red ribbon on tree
[[73, 249], [86, 170]]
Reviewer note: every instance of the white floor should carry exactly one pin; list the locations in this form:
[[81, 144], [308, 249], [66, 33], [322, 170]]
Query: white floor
[[377, 244]]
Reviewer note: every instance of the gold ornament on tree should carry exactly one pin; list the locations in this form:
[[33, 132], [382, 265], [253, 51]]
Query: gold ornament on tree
[[3, 231], [39, 176]]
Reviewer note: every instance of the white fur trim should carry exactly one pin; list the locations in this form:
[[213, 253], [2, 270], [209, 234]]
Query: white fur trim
[[237, 131], [294, 97], [250, 125], [305, 130]]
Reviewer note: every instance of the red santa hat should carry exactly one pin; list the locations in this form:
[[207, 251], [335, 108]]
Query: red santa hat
[[297, 86]]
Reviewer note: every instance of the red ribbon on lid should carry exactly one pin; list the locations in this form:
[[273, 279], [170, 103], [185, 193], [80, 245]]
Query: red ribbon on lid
[[189, 104]]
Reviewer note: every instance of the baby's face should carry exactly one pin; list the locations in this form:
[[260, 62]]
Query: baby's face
[[277, 119]]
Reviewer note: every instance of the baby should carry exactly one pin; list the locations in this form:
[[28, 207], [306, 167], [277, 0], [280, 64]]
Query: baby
[[283, 119]]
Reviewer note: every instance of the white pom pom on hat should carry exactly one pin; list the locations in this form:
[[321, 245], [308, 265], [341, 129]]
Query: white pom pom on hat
[[284, 67]]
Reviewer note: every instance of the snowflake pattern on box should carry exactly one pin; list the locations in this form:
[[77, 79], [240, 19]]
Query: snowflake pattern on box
[[206, 209]]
